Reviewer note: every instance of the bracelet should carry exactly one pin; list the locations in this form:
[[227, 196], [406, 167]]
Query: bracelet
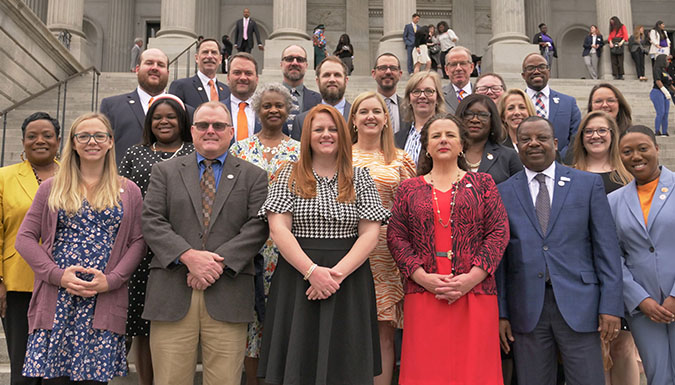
[[310, 271]]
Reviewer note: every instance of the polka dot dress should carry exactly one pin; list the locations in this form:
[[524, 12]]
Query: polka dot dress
[[136, 166]]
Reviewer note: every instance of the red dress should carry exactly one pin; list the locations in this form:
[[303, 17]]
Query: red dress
[[456, 344]]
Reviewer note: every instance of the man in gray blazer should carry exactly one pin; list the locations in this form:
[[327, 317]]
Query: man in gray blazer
[[293, 68], [387, 73], [458, 67], [200, 219]]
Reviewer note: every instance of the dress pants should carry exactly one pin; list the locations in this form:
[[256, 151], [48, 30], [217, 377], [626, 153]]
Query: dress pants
[[617, 65], [656, 344], [16, 334], [639, 59], [246, 46], [409, 49], [591, 61], [174, 347], [536, 357]]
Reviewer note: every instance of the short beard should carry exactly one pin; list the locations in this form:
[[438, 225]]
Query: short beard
[[293, 77], [332, 97]]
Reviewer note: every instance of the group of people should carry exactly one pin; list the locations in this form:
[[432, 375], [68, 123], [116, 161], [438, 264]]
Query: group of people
[[291, 233], [428, 45]]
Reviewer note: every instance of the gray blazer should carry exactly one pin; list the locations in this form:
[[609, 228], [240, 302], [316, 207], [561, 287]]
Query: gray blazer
[[450, 96], [172, 216]]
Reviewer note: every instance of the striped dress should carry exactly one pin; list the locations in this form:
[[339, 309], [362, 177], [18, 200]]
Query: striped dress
[[387, 278]]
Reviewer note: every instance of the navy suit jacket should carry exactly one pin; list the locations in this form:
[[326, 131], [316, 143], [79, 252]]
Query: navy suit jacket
[[580, 248], [192, 92], [565, 116], [588, 41], [409, 35], [300, 120], [127, 117], [252, 29], [257, 127], [648, 263]]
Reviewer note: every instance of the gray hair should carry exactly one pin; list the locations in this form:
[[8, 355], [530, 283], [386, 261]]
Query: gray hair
[[279, 88], [137, 40]]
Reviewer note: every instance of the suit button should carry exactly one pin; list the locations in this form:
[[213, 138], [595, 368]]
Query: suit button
[[651, 249], [540, 275], [545, 248]]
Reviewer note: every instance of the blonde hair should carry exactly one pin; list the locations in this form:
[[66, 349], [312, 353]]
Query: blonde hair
[[408, 113], [386, 136], [68, 188], [501, 106]]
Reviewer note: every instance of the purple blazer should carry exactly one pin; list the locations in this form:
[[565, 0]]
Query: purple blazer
[[480, 230], [128, 250]]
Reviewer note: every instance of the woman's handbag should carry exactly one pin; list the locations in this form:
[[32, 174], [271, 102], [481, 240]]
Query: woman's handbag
[[616, 49]]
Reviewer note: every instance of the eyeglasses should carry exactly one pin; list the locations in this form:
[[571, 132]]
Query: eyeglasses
[[299, 59], [99, 137], [484, 89], [602, 131], [458, 63], [428, 92], [390, 68], [484, 116], [599, 102], [540, 67], [217, 126]]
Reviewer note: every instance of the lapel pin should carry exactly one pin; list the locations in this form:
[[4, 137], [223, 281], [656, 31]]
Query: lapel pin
[[131, 102], [664, 189], [556, 100], [199, 88], [566, 179], [121, 190], [561, 183], [230, 176], [490, 156], [662, 197], [221, 88]]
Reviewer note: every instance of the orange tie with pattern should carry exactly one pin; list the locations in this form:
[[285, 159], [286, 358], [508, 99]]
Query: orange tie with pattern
[[152, 99], [460, 95], [214, 92], [242, 122]]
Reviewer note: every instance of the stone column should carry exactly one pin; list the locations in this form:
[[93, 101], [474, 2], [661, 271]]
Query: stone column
[[605, 9], [396, 14], [39, 7], [64, 20], [359, 34], [536, 12], [177, 30], [464, 23], [207, 22], [508, 45], [289, 25], [120, 36]]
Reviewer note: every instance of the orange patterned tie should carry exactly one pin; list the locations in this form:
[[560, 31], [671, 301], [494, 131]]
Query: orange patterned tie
[[242, 122], [460, 96], [208, 186], [214, 92], [152, 99]]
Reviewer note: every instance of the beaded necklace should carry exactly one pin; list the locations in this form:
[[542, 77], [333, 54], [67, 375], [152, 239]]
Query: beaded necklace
[[455, 185], [154, 148]]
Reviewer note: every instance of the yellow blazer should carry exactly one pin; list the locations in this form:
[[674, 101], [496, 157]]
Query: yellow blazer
[[17, 190]]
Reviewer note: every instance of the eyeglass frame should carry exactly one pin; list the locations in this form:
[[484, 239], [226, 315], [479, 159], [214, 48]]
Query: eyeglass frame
[[428, 92], [596, 131], [291, 59], [215, 125], [91, 136]]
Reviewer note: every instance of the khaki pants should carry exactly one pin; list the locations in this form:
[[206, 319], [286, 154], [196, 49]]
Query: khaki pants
[[174, 347]]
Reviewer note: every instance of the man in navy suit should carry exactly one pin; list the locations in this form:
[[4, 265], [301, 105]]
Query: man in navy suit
[[409, 39], [387, 73], [559, 109], [293, 67], [126, 112], [243, 81], [331, 77], [243, 34], [560, 281], [203, 87]]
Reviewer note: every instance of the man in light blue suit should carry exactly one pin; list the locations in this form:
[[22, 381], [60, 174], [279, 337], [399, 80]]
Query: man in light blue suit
[[558, 108], [648, 247], [559, 284], [409, 39]]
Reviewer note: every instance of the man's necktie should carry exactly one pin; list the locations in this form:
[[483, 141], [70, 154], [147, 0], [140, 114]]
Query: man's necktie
[[208, 187], [295, 108], [390, 103], [214, 91], [242, 122], [539, 104], [542, 204], [152, 99], [245, 29], [460, 95]]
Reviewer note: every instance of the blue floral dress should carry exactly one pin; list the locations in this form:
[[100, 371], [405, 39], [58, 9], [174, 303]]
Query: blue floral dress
[[73, 348]]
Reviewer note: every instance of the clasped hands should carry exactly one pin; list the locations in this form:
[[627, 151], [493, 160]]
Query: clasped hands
[[664, 313], [324, 282], [204, 268], [446, 287], [78, 286]]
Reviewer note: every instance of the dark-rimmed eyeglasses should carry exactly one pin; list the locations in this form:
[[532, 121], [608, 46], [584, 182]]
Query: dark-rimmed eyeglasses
[[391, 68], [217, 126], [290, 59], [540, 67], [99, 137], [481, 115], [485, 89], [428, 92], [602, 131]]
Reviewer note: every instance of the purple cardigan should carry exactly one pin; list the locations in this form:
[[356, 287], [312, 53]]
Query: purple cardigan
[[128, 250]]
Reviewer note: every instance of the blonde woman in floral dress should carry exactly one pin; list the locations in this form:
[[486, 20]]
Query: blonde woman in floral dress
[[269, 149], [374, 148]]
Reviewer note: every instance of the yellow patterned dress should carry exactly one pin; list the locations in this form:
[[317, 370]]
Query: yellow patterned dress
[[388, 284]]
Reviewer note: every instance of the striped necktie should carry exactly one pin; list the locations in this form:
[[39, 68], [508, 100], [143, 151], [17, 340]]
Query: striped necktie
[[460, 95], [539, 105]]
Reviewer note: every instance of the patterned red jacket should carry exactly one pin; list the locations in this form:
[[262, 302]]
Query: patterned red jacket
[[480, 230]]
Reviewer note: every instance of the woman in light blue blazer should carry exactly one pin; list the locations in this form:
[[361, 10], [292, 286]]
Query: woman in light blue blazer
[[644, 212]]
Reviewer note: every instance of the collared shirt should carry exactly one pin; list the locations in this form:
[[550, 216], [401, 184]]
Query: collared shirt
[[250, 114], [216, 166], [466, 88], [413, 144], [301, 93], [393, 112], [245, 22], [533, 184], [446, 39], [145, 97], [546, 91], [594, 39], [205, 83], [340, 106]]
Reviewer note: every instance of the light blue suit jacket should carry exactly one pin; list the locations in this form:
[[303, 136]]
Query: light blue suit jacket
[[648, 251], [579, 247]]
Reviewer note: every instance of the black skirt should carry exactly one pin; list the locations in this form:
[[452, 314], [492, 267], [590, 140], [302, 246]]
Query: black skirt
[[331, 341]]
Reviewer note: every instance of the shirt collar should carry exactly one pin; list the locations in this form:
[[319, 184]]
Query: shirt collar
[[393, 98], [221, 158], [466, 88], [340, 106], [549, 172], [205, 79], [532, 93], [236, 100], [299, 88], [145, 97]]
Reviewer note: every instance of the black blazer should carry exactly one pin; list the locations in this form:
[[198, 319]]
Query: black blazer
[[300, 120], [402, 135], [192, 92], [252, 29], [588, 41], [500, 162]]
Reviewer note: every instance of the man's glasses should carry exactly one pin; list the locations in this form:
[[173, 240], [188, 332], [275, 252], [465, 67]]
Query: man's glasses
[[390, 68], [217, 126], [290, 59], [540, 67]]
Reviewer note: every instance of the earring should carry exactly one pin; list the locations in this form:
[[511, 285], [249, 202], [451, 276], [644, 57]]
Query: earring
[[461, 154], [386, 125], [427, 154], [57, 156], [356, 129], [21, 156]]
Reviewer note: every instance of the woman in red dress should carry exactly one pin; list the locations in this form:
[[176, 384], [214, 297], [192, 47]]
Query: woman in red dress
[[447, 233]]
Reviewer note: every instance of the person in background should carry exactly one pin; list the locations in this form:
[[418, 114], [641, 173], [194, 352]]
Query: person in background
[[659, 42], [40, 136], [434, 47], [448, 39], [345, 51], [245, 29], [226, 51], [373, 147], [459, 65], [592, 51], [545, 43], [82, 238], [607, 97], [136, 53], [637, 45], [492, 85], [514, 107], [319, 42], [644, 213], [660, 94], [420, 54], [409, 32], [618, 36]]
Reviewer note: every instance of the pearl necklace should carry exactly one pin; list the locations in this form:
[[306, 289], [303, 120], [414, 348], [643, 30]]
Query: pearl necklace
[[154, 148]]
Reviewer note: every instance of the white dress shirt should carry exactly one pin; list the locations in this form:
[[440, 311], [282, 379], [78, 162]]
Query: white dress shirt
[[205, 83], [145, 97], [250, 114], [545, 98], [533, 184]]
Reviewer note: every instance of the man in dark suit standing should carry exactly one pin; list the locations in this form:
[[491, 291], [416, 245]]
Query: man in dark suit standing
[[204, 86], [200, 219], [243, 35], [243, 81], [458, 66], [331, 77], [409, 39], [293, 67], [558, 108], [126, 112], [387, 72], [560, 281]]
